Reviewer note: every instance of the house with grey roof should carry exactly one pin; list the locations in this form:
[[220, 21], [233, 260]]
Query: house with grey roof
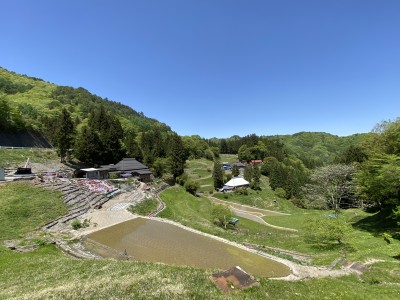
[[127, 167]]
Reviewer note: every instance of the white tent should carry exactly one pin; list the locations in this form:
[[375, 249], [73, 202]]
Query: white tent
[[236, 182]]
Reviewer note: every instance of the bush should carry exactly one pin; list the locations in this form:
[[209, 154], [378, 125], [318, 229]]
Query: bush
[[181, 179], [228, 177], [241, 191], [280, 192], [113, 176], [191, 186], [77, 224], [326, 230], [221, 215]]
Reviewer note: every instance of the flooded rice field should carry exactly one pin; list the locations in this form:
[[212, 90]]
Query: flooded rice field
[[155, 241]]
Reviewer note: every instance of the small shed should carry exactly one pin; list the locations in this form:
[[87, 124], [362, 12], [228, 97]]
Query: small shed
[[2, 174], [91, 173]]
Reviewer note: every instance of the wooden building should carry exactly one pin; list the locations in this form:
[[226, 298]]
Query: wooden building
[[123, 168]]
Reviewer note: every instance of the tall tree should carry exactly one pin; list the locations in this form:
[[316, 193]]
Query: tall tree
[[255, 184], [218, 174], [248, 173], [177, 155], [131, 145], [378, 180], [64, 134], [332, 185], [235, 171], [86, 145], [352, 154]]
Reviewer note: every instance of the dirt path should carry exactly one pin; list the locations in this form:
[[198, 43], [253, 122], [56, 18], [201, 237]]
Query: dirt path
[[253, 213]]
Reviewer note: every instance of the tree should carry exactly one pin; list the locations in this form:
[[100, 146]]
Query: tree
[[352, 154], [131, 145], [235, 171], [223, 147], [64, 134], [331, 185], [255, 183], [221, 215], [218, 174], [5, 114], [177, 155], [248, 173], [377, 181], [191, 186], [244, 153], [86, 145], [324, 231]]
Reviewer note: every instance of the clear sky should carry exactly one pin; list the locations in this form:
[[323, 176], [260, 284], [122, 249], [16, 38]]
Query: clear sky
[[218, 67]]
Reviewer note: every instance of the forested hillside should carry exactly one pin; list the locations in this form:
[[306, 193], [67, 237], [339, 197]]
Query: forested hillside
[[31, 99], [313, 148], [84, 126]]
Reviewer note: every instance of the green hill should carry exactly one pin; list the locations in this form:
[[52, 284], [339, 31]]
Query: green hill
[[320, 147], [33, 99]]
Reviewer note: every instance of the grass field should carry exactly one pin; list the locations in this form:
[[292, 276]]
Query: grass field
[[144, 207], [12, 157], [24, 207], [47, 273]]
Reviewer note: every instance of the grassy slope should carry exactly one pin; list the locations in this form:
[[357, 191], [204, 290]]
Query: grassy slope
[[194, 212], [40, 96], [10, 157], [47, 273], [24, 207]]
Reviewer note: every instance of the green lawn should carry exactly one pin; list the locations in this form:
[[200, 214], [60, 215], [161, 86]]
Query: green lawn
[[47, 273], [144, 207], [24, 207], [18, 157]]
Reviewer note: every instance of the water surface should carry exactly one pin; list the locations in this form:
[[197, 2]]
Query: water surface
[[155, 241]]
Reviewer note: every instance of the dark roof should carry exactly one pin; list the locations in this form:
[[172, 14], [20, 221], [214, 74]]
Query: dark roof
[[142, 172], [239, 164], [126, 164], [130, 164]]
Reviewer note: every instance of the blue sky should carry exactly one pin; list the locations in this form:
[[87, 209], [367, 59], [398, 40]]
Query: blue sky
[[218, 67]]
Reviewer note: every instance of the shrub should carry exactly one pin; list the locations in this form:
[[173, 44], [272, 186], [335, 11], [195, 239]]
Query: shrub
[[387, 237], [324, 231], [77, 224], [280, 192], [241, 191], [191, 186], [113, 176], [221, 215], [181, 179]]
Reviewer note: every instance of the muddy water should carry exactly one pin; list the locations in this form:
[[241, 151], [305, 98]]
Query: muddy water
[[150, 240]]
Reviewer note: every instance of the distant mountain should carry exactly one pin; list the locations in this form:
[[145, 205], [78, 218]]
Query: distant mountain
[[320, 147], [34, 99], [314, 148]]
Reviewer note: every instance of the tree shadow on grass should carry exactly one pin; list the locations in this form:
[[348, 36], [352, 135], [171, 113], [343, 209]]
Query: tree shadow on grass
[[343, 248], [378, 223]]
